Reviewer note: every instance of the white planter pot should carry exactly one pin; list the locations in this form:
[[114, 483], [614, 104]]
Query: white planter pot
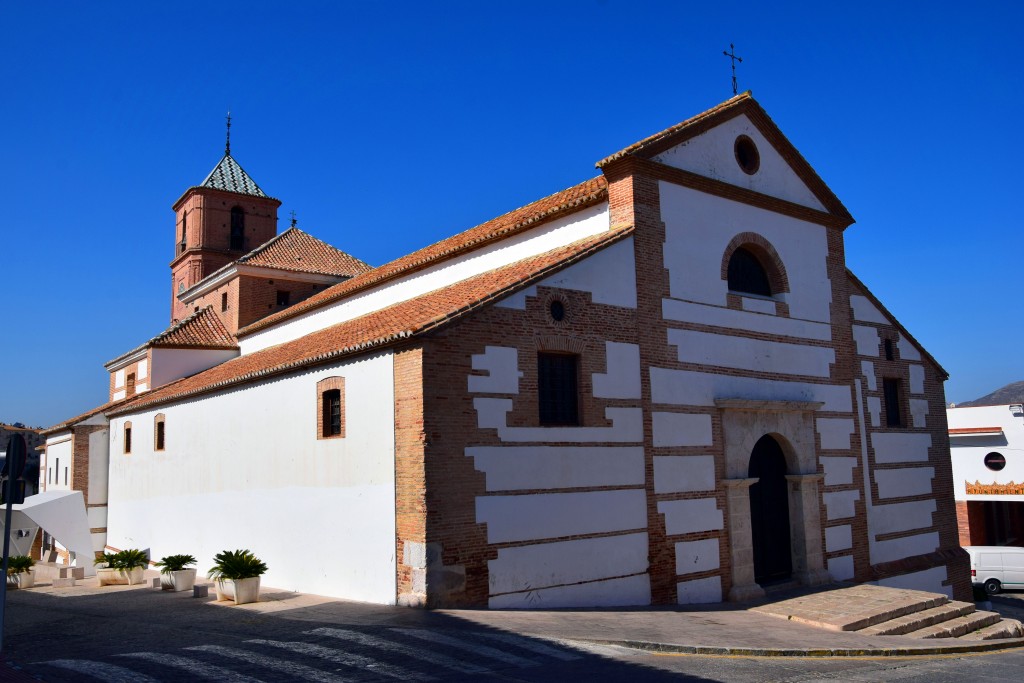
[[119, 577], [239, 590], [182, 580], [21, 580]]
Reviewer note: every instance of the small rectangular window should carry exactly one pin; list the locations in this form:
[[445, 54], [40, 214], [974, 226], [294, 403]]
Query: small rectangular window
[[558, 388], [127, 439], [283, 297], [888, 349], [332, 412], [891, 392], [159, 436], [131, 383], [65, 476], [224, 301]]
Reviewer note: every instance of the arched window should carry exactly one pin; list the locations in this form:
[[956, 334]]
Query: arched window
[[237, 228], [158, 432], [127, 438], [747, 275]]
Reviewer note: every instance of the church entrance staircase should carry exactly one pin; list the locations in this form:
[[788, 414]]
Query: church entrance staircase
[[878, 611]]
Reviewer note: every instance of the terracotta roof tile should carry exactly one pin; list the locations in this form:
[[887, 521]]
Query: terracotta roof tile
[[566, 201], [672, 130], [70, 422], [201, 330], [299, 251], [384, 327]]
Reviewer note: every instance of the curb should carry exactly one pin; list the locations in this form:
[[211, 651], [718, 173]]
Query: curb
[[982, 646]]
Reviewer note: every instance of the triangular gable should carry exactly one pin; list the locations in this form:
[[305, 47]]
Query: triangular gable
[[871, 310], [711, 154], [704, 145]]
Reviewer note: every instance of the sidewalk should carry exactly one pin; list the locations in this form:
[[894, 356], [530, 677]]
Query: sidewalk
[[720, 629], [716, 630]]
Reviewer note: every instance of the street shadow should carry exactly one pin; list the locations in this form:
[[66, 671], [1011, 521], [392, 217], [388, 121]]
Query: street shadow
[[144, 632]]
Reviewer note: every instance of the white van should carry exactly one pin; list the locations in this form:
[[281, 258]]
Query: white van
[[997, 567]]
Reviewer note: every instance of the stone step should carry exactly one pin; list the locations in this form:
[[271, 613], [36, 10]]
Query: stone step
[[954, 628], [1006, 628], [854, 608], [916, 621]]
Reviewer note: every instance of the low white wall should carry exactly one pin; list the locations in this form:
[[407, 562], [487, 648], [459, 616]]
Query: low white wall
[[244, 469]]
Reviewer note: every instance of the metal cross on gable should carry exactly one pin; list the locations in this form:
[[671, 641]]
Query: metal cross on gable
[[732, 55]]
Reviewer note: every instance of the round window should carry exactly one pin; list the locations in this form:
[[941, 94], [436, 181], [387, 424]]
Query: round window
[[995, 461], [557, 311], [747, 155]]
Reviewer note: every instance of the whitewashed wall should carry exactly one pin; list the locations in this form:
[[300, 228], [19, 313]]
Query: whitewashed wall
[[542, 568], [901, 457], [968, 452], [545, 237], [244, 469], [699, 227], [172, 364], [58, 459], [711, 155]]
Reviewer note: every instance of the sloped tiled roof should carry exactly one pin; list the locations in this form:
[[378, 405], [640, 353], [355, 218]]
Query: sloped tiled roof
[[692, 122], [299, 251], [567, 201], [387, 326], [71, 422], [229, 175], [744, 103], [201, 330]]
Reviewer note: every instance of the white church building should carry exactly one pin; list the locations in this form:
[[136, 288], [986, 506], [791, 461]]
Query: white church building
[[661, 385]]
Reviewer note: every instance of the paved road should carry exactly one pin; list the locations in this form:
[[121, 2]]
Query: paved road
[[143, 635]]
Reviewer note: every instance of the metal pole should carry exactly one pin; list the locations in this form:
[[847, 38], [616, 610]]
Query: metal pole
[[9, 499]]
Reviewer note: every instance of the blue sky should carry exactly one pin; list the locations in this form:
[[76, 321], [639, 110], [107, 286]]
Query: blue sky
[[388, 126]]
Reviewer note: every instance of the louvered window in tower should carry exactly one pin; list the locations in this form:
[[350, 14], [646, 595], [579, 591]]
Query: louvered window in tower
[[237, 228]]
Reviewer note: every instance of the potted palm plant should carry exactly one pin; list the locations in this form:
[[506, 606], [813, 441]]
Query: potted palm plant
[[175, 573], [123, 567], [19, 572], [236, 575]]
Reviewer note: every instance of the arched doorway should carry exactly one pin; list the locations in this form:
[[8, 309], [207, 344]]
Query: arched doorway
[[769, 513]]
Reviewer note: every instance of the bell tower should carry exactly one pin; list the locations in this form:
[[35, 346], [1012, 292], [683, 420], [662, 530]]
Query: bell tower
[[217, 222]]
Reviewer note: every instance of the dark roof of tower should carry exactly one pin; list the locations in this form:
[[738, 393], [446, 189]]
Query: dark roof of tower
[[229, 175]]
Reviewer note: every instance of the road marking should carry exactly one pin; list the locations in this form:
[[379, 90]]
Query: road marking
[[347, 658], [526, 643], [298, 671], [209, 671], [105, 672], [392, 646], [480, 650]]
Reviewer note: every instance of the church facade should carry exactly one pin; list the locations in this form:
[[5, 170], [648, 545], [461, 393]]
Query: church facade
[[659, 386]]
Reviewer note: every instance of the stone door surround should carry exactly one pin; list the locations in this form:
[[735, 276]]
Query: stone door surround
[[791, 423]]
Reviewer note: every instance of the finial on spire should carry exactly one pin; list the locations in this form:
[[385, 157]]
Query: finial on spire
[[227, 144], [732, 55], [294, 220]]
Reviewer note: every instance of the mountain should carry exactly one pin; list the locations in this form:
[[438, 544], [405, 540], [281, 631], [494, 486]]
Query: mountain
[[1011, 393]]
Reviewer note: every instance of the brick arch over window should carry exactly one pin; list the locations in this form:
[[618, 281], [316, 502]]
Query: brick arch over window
[[766, 255], [330, 413]]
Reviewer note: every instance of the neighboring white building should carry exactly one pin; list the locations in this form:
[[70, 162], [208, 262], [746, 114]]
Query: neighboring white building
[[987, 449]]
